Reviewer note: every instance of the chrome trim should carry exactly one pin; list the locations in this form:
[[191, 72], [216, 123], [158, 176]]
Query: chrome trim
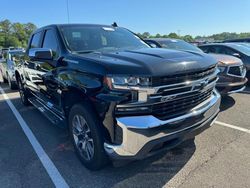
[[237, 91], [243, 74], [154, 90], [133, 142], [210, 85], [149, 121]]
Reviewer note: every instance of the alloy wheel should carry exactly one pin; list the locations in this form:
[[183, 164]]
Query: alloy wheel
[[82, 137]]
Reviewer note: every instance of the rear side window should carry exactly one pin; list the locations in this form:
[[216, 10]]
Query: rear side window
[[36, 40], [227, 51], [50, 42], [204, 49]]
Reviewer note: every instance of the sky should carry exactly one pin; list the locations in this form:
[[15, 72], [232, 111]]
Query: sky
[[194, 17]]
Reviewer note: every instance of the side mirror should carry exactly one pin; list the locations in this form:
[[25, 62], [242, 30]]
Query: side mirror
[[237, 55], [41, 53]]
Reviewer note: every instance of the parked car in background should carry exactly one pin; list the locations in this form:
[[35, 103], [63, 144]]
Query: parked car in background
[[7, 66], [232, 71], [232, 76], [235, 49], [119, 98], [174, 44], [238, 40]]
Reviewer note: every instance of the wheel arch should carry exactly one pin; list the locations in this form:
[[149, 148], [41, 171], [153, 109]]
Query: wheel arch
[[75, 96]]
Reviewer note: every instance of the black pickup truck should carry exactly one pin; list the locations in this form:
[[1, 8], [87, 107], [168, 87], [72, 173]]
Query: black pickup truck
[[120, 98]]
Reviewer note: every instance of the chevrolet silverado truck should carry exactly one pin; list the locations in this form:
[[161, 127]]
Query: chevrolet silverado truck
[[119, 98]]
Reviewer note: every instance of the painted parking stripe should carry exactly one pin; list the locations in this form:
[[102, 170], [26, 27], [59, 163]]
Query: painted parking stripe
[[232, 127], [49, 166], [245, 92]]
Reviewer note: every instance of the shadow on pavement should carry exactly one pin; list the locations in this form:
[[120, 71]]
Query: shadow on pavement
[[155, 171], [226, 103]]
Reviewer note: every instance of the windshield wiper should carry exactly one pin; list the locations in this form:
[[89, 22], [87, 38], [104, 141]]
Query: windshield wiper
[[86, 52]]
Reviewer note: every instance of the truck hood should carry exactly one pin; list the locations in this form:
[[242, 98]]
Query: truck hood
[[151, 61]]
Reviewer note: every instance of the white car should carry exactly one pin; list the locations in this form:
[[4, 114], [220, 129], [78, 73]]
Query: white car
[[7, 66]]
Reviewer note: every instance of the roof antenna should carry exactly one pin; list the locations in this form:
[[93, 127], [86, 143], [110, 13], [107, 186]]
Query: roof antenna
[[114, 24], [67, 3]]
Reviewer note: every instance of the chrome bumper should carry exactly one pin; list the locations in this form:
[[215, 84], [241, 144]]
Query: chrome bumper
[[142, 133]]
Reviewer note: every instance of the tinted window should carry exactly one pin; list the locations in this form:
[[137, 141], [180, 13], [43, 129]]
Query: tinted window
[[50, 42], [81, 39], [178, 45], [225, 50], [211, 49], [35, 40], [243, 49]]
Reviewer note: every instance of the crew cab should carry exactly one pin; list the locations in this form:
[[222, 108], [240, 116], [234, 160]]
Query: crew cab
[[120, 98]]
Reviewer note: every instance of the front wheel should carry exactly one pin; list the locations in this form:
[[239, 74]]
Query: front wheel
[[5, 80], [12, 85], [23, 93], [85, 132]]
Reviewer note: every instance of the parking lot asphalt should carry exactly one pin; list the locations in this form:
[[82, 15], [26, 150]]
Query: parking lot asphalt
[[218, 157]]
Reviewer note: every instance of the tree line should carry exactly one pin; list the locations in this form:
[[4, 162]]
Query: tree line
[[215, 37], [15, 34]]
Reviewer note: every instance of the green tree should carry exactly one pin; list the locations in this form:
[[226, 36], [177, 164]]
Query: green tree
[[157, 35], [15, 34], [145, 35], [173, 35], [188, 38]]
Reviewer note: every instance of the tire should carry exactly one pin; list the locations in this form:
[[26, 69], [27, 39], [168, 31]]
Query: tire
[[12, 85], [87, 138], [24, 95], [5, 80]]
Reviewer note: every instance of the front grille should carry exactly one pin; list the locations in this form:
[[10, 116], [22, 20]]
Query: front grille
[[179, 78], [173, 100], [236, 70], [180, 105]]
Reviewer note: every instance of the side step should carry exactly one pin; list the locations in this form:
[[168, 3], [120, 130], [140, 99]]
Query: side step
[[48, 113]]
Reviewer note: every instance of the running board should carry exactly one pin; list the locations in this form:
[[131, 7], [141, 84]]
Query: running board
[[48, 113]]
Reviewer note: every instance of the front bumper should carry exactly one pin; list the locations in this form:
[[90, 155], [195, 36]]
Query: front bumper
[[143, 134], [235, 85]]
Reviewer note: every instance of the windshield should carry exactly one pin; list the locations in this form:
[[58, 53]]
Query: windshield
[[17, 53], [85, 39], [241, 48], [179, 45]]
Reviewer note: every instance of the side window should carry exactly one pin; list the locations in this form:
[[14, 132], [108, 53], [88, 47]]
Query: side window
[[5, 55], [35, 40], [50, 42], [227, 51], [205, 49]]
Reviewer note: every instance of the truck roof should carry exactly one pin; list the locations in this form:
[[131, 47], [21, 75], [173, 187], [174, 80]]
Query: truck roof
[[74, 24]]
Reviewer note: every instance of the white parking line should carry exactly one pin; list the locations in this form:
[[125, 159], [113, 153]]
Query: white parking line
[[49, 166], [232, 127], [245, 92]]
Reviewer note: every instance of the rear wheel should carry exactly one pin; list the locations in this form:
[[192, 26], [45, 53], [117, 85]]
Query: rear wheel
[[87, 137], [23, 93]]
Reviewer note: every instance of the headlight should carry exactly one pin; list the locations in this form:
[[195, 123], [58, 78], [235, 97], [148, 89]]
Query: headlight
[[121, 82], [221, 68]]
